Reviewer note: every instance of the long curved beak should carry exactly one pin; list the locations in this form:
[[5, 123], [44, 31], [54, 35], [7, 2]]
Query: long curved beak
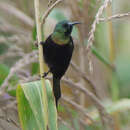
[[74, 23]]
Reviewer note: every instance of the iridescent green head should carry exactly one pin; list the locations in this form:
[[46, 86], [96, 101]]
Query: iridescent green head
[[62, 32]]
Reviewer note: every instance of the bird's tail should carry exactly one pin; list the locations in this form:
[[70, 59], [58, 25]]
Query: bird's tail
[[56, 89]]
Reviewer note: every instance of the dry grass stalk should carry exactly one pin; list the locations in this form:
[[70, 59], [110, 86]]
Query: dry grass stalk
[[96, 21], [65, 123], [104, 116], [17, 13], [84, 76], [89, 94], [116, 16], [29, 58], [78, 107], [7, 27], [49, 10]]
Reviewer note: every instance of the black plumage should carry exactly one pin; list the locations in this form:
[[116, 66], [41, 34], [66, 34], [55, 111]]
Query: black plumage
[[57, 56]]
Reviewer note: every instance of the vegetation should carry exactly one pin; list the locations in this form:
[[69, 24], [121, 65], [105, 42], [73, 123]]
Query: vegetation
[[96, 86]]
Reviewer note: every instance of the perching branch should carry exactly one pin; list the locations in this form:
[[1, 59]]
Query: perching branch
[[39, 24], [41, 62]]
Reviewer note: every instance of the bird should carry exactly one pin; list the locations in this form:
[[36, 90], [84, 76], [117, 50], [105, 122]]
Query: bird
[[57, 52]]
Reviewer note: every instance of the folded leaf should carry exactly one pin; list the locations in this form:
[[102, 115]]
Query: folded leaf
[[31, 109]]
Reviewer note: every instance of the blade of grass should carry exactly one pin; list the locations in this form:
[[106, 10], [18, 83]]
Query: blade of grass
[[102, 58], [31, 109]]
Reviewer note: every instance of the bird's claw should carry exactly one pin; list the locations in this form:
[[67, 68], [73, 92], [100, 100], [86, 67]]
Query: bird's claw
[[44, 74], [41, 43], [36, 43]]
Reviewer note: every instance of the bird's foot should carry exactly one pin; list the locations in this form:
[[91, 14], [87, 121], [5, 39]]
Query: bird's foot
[[41, 42], [36, 43], [45, 74]]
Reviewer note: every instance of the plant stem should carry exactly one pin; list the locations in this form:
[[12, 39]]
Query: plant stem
[[114, 81], [42, 66]]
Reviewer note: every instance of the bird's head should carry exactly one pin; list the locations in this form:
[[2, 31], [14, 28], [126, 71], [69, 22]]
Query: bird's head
[[62, 32]]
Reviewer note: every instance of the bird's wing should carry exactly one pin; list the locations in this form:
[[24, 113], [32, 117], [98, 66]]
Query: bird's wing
[[72, 43]]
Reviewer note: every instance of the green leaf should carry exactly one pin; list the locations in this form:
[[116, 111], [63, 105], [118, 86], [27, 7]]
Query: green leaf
[[122, 105], [27, 118], [4, 70], [35, 68], [52, 112], [12, 92], [31, 109], [3, 48], [102, 39], [61, 108], [14, 80], [101, 57], [34, 33], [63, 127], [76, 124]]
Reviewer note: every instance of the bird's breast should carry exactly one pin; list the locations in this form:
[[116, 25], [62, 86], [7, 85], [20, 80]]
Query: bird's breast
[[57, 56], [57, 53]]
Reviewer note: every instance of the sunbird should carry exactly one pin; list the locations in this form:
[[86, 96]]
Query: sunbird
[[57, 52]]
